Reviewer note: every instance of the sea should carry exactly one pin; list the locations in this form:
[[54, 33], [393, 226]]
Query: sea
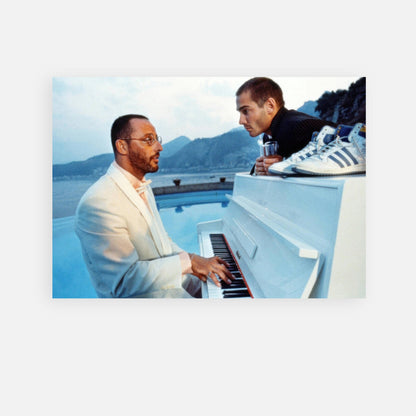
[[67, 193]]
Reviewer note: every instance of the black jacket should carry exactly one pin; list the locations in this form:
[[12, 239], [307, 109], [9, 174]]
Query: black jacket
[[293, 130]]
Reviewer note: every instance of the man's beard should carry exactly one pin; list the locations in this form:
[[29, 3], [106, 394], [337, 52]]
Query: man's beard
[[139, 163]]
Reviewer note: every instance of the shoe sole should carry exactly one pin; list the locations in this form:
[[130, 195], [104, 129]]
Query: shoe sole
[[340, 171], [280, 172]]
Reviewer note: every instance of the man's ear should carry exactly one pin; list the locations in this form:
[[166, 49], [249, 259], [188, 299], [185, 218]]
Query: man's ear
[[271, 105], [121, 147]]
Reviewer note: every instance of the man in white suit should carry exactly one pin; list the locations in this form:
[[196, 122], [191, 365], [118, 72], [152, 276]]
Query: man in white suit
[[125, 246]]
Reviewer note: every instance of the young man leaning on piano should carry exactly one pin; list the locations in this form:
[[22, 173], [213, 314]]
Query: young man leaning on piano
[[262, 111]]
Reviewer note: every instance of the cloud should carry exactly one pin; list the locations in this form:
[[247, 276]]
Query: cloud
[[85, 107]]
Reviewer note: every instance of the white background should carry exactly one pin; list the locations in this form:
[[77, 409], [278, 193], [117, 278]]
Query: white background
[[288, 357]]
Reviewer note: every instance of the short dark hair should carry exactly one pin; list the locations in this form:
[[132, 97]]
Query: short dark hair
[[262, 88], [121, 128]]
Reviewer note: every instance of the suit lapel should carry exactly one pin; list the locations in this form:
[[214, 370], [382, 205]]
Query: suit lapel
[[123, 183]]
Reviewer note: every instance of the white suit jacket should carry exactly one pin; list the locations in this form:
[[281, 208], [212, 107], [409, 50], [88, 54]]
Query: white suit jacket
[[126, 249]]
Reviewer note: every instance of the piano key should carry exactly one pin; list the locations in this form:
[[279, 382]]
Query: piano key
[[233, 284], [232, 290], [236, 295], [238, 287]]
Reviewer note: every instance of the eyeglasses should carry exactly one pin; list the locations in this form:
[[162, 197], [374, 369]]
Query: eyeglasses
[[150, 140]]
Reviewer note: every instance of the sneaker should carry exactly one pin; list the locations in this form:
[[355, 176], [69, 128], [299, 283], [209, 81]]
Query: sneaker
[[325, 136], [344, 155]]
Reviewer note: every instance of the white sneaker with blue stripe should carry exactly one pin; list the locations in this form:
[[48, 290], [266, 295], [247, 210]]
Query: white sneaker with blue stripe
[[344, 155], [325, 136]]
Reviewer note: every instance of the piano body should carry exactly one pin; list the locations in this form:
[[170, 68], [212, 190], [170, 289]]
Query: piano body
[[294, 237]]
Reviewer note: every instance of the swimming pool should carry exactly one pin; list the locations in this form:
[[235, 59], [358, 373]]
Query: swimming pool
[[180, 214]]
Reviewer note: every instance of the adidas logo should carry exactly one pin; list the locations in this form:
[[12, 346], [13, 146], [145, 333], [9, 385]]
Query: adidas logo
[[346, 154]]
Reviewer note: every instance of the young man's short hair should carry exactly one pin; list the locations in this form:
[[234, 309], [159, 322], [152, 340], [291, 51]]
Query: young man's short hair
[[262, 88]]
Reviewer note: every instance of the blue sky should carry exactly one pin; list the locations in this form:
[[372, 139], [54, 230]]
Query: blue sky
[[85, 107]]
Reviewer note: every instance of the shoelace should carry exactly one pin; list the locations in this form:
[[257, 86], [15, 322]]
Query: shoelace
[[311, 147], [330, 147]]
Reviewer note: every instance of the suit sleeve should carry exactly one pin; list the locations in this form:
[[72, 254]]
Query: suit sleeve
[[113, 262]]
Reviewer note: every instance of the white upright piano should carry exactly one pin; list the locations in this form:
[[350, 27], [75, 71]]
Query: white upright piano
[[294, 237]]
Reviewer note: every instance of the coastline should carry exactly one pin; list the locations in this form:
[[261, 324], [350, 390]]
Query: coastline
[[67, 193]]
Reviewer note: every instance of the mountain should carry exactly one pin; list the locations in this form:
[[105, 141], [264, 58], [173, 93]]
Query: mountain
[[94, 166], [234, 149], [174, 146], [309, 107]]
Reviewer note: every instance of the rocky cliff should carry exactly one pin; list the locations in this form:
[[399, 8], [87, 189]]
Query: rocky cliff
[[344, 106]]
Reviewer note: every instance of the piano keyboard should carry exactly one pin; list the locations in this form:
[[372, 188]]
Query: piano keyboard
[[238, 288]]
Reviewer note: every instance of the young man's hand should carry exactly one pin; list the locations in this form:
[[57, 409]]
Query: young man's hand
[[263, 164]]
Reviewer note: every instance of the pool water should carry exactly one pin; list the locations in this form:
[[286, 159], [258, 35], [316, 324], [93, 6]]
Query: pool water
[[180, 214]]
